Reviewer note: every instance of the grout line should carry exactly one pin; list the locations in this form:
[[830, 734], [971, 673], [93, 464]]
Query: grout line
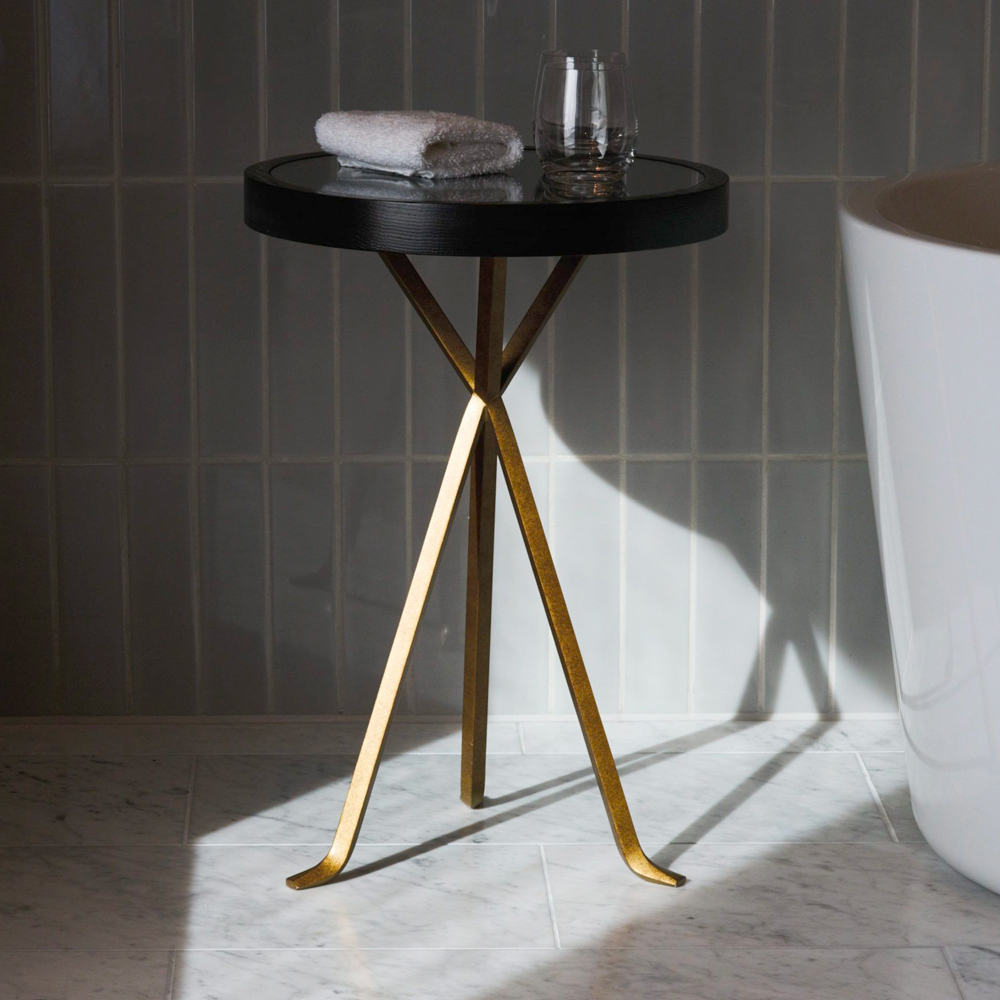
[[550, 407], [878, 799], [265, 370], [549, 897], [914, 57], [838, 308], [216, 460], [171, 975], [337, 576], [953, 969], [695, 329], [765, 356], [622, 476], [42, 58], [409, 683], [480, 103], [984, 134], [189, 807], [115, 16], [193, 460]]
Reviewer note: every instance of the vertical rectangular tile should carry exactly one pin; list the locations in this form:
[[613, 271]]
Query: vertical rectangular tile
[[588, 24], [993, 123], [18, 88], [233, 658], [439, 397], [227, 319], [373, 509], [797, 623], [864, 679], [155, 319], [727, 587], [302, 519], [372, 356], [366, 27], [877, 86], [527, 397], [661, 54], [519, 651], [84, 337], [850, 427], [586, 549], [733, 69], [520, 26], [806, 56], [80, 132], [301, 47], [658, 352], [949, 82], [225, 86], [657, 586], [730, 305], [153, 121], [803, 283], [161, 612], [443, 51], [586, 360], [439, 653], [28, 683], [91, 647], [22, 341], [300, 348]]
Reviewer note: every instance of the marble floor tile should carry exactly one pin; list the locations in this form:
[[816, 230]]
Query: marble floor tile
[[92, 975], [888, 774], [803, 895], [93, 800], [978, 971], [38, 739], [539, 798], [687, 736], [147, 898], [667, 973]]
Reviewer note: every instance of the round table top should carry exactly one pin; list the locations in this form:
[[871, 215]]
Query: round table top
[[310, 198]]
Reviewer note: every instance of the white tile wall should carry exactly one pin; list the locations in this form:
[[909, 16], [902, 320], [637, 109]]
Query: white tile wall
[[219, 451]]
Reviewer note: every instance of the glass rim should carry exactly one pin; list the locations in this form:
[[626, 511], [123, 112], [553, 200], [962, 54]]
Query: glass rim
[[573, 58]]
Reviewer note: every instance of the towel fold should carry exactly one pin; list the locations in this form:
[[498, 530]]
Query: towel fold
[[419, 143], [485, 190]]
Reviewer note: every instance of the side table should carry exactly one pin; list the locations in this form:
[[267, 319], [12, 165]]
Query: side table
[[310, 199]]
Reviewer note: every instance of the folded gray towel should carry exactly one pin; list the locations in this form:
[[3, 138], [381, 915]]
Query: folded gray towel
[[419, 143]]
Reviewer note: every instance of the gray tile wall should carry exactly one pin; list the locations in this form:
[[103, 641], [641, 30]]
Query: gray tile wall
[[219, 452]]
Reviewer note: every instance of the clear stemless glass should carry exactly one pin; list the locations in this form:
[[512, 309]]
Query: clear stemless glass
[[585, 124]]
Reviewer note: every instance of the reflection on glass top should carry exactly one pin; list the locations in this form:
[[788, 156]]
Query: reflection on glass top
[[524, 183]]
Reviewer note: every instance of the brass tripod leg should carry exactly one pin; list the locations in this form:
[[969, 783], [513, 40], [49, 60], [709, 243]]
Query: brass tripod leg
[[484, 434], [416, 599], [569, 653], [482, 509]]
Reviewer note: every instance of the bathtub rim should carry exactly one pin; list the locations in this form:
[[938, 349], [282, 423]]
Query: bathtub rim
[[860, 205]]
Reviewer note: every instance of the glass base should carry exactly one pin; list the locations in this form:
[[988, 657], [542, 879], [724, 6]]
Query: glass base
[[576, 182]]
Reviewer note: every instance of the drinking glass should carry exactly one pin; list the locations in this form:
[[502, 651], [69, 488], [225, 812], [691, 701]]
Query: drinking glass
[[585, 124]]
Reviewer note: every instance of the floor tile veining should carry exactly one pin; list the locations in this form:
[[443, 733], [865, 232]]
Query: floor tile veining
[[126, 872]]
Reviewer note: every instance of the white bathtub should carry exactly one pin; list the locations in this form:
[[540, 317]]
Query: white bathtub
[[923, 274]]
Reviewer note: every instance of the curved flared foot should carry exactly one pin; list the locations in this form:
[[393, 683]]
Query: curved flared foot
[[326, 871], [640, 865]]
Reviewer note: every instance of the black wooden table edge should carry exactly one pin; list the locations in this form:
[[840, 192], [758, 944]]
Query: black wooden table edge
[[512, 229]]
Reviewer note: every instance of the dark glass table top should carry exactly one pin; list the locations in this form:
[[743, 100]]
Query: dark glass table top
[[310, 198], [523, 184]]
